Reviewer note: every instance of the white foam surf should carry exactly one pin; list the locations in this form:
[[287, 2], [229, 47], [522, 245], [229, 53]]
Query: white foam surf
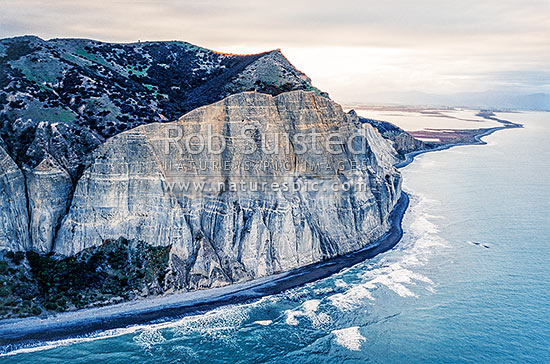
[[350, 338], [148, 338], [263, 322], [308, 310], [398, 271], [213, 323]]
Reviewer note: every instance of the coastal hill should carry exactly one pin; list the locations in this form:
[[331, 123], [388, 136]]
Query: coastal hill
[[82, 226], [62, 98], [218, 237]]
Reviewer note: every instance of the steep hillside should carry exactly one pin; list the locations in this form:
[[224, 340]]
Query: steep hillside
[[94, 204], [61, 99], [134, 229], [64, 97], [402, 141]]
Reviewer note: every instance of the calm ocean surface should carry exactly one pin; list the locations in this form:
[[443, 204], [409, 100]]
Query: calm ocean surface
[[468, 283]]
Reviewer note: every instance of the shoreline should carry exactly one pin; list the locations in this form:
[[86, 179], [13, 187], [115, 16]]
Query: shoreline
[[31, 331], [34, 331], [409, 157]]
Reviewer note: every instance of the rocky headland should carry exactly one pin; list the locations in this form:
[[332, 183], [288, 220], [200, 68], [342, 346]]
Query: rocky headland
[[90, 212]]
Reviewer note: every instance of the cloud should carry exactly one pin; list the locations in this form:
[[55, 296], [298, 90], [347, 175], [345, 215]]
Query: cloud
[[431, 46]]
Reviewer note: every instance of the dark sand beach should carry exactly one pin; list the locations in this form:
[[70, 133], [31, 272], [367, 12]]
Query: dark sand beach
[[15, 333]]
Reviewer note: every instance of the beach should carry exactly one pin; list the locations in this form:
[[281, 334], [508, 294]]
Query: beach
[[15, 333]]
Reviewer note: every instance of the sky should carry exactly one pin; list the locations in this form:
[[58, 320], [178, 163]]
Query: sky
[[359, 51]]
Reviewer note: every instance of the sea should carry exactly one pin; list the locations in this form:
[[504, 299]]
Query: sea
[[468, 283]]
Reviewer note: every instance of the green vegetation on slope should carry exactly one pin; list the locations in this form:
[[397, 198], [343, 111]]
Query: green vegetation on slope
[[118, 270]]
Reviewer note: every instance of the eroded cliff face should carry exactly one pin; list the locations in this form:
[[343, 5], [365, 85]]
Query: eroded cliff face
[[14, 228], [145, 185], [62, 98], [149, 214], [32, 204], [402, 141], [49, 189]]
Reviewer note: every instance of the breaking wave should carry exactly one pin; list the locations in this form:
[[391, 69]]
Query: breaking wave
[[349, 338], [318, 305]]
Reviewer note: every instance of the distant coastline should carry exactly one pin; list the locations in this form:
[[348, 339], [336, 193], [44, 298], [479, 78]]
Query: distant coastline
[[476, 134]]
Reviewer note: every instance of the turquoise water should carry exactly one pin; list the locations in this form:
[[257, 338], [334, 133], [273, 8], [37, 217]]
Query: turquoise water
[[468, 283]]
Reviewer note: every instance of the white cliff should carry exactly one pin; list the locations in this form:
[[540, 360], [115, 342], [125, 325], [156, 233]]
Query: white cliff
[[14, 227], [49, 189], [230, 234]]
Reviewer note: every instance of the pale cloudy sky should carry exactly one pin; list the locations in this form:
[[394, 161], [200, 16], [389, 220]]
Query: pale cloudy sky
[[355, 50]]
